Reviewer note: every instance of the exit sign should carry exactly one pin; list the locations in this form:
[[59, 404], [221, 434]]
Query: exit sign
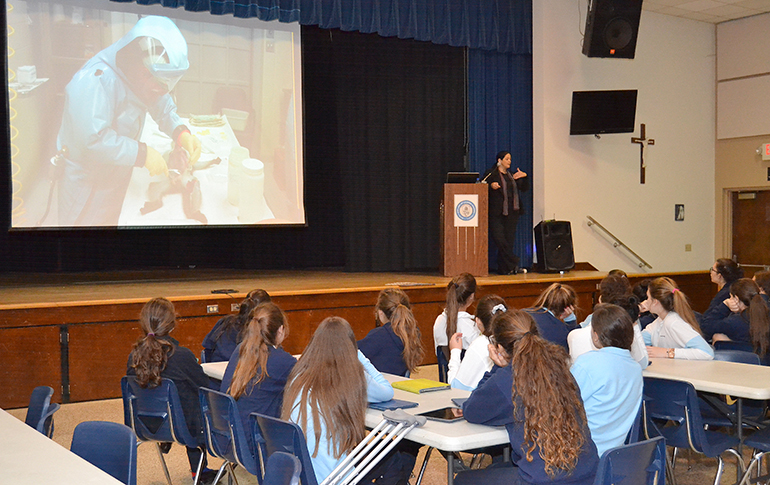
[[765, 151]]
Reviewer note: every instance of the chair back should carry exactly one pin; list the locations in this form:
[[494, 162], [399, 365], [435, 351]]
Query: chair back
[[641, 463], [636, 433], [155, 413], [285, 436], [669, 400], [282, 469], [109, 446], [442, 356], [40, 410], [740, 356], [733, 345], [223, 429]]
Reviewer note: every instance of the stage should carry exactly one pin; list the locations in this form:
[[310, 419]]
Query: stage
[[73, 332]]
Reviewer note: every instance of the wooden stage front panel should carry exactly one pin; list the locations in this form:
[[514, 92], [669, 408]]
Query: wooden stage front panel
[[80, 346]]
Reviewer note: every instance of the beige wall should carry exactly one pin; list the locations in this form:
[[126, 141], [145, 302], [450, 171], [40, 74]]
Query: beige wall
[[576, 176]]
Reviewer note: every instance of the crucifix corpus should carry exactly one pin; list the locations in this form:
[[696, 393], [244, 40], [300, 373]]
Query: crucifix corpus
[[642, 141]]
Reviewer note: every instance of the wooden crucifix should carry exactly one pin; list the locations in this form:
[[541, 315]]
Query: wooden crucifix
[[642, 141]]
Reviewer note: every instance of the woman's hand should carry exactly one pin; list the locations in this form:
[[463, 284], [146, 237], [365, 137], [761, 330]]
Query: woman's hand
[[499, 359], [494, 185], [720, 337], [456, 342], [733, 303], [567, 312], [518, 174]]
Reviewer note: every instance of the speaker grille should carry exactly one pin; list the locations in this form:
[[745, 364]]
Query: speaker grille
[[618, 34]]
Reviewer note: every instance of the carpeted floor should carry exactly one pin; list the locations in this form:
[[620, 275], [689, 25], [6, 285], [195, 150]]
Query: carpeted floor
[[690, 469]]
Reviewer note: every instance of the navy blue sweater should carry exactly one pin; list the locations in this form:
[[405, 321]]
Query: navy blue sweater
[[384, 350]]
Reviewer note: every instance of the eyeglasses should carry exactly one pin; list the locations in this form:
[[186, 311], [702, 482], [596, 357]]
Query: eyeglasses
[[712, 270]]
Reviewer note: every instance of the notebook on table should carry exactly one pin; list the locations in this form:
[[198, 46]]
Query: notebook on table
[[418, 386], [392, 404]]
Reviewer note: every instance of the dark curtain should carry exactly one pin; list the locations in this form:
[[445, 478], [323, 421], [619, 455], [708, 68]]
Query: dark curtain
[[500, 105], [398, 108], [501, 25]]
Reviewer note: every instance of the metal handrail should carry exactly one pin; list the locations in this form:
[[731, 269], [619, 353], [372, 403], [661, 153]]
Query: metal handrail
[[617, 242]]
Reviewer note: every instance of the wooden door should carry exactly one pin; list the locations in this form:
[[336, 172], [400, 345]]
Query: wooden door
[[751, 227]]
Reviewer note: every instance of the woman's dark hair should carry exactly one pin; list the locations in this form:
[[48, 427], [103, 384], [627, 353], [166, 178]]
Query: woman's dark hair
[[629, 303], [258, 296], [544, 394], [613, 326], [729, 270], [763, 281], [487, 308], [150, 354], [613, 286], [747, 292], [501, 154], [262, 332], [640, 290], [237, 322], [458, 292]]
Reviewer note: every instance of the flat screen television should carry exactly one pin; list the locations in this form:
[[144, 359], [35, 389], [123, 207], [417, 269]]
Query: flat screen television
[[597, 112]]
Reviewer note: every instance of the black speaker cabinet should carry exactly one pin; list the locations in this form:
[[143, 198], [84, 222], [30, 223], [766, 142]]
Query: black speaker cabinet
[[611, 28], [553, 246]]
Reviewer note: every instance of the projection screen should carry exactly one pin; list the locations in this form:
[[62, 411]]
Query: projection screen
[[133, 117]]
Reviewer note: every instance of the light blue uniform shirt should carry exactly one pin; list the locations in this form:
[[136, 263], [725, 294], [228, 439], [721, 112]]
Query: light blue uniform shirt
[[610, 382]]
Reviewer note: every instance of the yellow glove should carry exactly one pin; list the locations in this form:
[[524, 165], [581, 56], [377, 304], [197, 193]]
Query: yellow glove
[[192, 144], [155, 163]]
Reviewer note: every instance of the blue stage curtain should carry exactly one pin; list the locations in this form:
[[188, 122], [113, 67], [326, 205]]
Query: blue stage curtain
[[500, 118], [499, 25]]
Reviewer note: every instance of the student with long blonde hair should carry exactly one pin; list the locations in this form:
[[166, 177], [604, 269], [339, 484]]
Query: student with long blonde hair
[[156, 355], [675, 334], [460, 293], [259, 367], [533, 394], [394, 347], [328, 392]]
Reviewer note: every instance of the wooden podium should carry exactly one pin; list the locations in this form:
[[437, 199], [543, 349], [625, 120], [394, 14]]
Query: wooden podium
[[464, 226]]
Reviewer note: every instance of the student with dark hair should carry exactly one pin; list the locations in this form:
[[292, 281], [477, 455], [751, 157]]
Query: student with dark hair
[[460, 293], [228, 332], [547, 426], [466, 372], [504, 209], [394, 347], [742, 318], [762, 278], [259, 368], [640, 292], [155, 356], [327, 394], [723, 272], [554, 313], [675, 333], [610, 380], [610, 287]]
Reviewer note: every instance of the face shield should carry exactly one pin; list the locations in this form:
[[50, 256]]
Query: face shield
[[156, 60]]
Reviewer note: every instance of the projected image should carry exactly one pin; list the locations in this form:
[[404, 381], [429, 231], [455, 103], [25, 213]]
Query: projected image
[[133, 118]]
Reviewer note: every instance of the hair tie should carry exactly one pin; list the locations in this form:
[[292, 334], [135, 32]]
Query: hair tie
[[674, 290], [150, 334], [499, 308]]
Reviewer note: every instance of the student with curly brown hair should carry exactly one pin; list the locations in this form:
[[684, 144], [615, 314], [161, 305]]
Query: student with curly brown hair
[[533, 394]]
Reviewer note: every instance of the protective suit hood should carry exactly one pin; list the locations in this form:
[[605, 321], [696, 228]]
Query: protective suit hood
[[168, 35]]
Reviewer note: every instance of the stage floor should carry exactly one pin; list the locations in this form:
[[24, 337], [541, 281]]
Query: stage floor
[[35, 290]]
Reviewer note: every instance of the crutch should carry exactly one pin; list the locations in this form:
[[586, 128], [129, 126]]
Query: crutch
[[394, 426]]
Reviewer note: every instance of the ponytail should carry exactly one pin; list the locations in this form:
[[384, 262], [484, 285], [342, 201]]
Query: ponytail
[[261, 332], [459, 291], [150, 353], [672, 299], [759, 325], [405, 327]]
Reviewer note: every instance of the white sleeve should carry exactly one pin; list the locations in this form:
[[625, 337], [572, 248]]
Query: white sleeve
[[472, 368], [638, 349], [469, 330], [454, 363]]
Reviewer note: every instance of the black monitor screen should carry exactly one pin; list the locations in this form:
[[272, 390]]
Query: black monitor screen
[[595, 112]]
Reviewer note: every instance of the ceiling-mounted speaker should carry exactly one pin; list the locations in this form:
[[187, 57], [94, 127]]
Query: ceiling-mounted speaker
[[611, 28]]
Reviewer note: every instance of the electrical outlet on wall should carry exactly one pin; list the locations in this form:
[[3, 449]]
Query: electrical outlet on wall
[[688, 247]]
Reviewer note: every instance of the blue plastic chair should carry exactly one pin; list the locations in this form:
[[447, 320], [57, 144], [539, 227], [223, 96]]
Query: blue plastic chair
[[225, 437], [676, 403], [109, 446], [155, 414], [285, 436], [40, 411], [722, 414], [641, 463], [282, 469], [746, 347], [443, 363], [636, 433], [760, 441]]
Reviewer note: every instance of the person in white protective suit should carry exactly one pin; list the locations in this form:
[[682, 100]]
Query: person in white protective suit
[[104, 113]]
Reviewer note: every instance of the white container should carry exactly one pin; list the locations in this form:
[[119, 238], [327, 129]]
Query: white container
[[251, 203], [237, 156], [26, 74], [236, 118]]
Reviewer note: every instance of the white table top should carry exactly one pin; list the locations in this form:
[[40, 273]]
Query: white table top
[[738, 380], [457, 436], [29, 457]]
